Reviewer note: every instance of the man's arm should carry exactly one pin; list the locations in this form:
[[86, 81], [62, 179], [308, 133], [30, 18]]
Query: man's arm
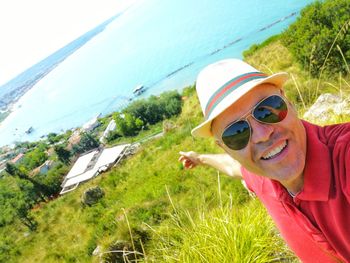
[[222, 162]]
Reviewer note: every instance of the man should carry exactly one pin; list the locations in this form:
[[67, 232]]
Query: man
[[300, 171]]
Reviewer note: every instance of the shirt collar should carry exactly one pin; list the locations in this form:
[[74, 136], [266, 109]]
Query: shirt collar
[[317, 171]]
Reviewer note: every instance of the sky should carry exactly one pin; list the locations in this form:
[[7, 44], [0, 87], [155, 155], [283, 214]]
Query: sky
[[31, 30]]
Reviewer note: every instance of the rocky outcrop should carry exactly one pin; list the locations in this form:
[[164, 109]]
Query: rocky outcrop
[[328, 108]]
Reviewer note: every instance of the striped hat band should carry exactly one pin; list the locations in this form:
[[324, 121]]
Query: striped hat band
[[228, 87]]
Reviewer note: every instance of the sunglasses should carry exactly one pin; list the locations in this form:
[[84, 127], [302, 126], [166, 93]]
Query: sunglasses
[[270, 110]]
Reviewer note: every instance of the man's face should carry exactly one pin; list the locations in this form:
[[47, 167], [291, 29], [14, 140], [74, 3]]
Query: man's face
[[267, 140]]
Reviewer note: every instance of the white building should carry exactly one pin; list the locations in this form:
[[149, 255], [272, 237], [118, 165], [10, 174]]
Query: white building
[[91, 124], [111, 127], [90, 165]]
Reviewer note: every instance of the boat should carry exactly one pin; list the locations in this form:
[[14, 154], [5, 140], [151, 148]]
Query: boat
[[30, 130], [138, 90]]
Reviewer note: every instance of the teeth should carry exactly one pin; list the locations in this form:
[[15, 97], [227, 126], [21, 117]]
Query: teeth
[[275, 151]]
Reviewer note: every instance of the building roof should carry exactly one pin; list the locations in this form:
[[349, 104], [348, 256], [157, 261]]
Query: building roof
[[90, 165], [81, 164], [17, 158], [91, 124]]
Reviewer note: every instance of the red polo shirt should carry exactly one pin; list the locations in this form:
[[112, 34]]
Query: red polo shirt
[[316, 223]]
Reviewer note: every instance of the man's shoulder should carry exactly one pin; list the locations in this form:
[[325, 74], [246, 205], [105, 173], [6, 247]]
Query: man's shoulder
[[337, 134], [330, 134]]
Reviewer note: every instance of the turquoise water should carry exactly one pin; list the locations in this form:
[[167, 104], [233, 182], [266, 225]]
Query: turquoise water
[[160, 44]]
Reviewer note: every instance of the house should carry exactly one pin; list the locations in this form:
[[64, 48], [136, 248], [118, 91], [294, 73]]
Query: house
[[74, 139], [92, 164], [44, 168], [18, 158], [111, 127], [91, 124]]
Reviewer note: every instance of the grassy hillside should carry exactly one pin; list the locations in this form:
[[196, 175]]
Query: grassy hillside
[[302, 89], [155, 207]]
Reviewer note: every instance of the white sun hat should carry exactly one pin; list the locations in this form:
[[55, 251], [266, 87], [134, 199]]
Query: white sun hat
[[222, 83]]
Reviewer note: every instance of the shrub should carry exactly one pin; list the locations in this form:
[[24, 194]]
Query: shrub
[[63, 154], [156, 109], [188, 91], [53, 138], [34, 158], [53, 179], [319, 39], [127, 124], [87, 142]]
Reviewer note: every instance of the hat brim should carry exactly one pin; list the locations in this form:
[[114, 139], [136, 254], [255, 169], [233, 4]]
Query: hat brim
[[204, 129]]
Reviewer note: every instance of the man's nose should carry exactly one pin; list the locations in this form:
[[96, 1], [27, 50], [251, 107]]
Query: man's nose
[[260, 132]]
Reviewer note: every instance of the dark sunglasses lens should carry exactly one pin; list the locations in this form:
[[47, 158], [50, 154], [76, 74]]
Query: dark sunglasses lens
[[271, 110], [236, 136]]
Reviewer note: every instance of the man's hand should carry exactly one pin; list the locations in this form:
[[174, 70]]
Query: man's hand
[[189, 159], [222, 162]]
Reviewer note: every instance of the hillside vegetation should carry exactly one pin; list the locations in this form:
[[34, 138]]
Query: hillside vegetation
[[153, 206], [155, 211]]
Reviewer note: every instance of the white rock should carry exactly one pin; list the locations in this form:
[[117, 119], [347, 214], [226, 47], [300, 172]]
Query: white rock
[[327, 107]]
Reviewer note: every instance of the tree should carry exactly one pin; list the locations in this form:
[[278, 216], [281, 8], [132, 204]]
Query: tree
[[112, 135], [53, 138], [127, 124], [35, 158], [320, 37], [53, 179], [156, 109], [13, 170], [39, 190], [63, 155], [171, 102], [23, 212], [87, 142], [8, 211], [16, 202]]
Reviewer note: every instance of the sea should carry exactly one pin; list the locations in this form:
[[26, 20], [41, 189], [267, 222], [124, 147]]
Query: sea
[[160, 44]]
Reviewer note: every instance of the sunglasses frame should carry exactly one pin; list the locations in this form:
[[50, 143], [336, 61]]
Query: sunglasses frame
[[250, 112]]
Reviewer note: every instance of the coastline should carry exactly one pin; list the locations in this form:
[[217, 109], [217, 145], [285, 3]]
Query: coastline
[[167, 75]]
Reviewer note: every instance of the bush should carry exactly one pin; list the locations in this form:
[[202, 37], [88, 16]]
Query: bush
[[322, 28], [53, 179], [34, 158], [156, 109], [127, 124], [53, 138], [112, 135], [92, 195], [170, 103], [63, 154], [188, 91], [87, 142]]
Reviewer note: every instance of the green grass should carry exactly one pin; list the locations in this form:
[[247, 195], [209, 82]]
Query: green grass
[[226, 233], [137, 190], [301, 88]]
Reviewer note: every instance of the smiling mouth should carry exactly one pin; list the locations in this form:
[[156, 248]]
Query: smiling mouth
[[275, 151]]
